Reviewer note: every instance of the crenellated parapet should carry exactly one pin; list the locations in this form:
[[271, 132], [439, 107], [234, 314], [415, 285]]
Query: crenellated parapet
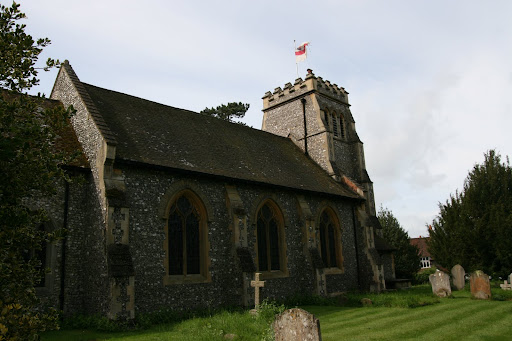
[[303, 87]]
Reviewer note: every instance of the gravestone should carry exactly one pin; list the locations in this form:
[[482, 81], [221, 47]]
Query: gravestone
[[508, 284], [458, 277], [440, 282], [480, 286], [257, 284], [297, 324]]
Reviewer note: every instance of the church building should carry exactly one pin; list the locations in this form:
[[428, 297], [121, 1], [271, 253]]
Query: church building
[[179, 210]]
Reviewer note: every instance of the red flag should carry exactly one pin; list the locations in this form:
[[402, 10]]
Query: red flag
[[301, 53]]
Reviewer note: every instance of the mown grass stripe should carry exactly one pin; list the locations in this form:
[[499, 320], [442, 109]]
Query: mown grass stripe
[[347, 321], [439, 324], [490, 320], [386, 318]]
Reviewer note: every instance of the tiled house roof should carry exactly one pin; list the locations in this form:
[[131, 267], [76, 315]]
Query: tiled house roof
[[156, 134], [421, 244]]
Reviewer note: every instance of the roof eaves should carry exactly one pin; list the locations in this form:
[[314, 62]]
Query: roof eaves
[[346, 195]]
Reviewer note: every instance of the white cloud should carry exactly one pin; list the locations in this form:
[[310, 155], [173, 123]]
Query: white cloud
[[429, 82]]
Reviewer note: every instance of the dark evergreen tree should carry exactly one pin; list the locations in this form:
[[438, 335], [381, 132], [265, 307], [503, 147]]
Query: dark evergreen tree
[[407, 259], [228, 112], [474, 227], [30, 165]]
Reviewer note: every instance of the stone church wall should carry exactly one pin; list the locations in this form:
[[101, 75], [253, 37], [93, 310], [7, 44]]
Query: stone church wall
[[85, 270], [146, 188], [292, 114]]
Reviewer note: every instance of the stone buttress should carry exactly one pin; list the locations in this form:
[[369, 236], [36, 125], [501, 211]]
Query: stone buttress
[[99, 145]]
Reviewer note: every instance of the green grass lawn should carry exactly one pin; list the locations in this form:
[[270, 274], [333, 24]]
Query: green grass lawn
[[456, 318]]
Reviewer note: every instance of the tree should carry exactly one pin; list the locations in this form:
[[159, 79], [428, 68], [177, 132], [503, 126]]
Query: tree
[[407, 261], [474, 227], [30, 164], [228, 112]]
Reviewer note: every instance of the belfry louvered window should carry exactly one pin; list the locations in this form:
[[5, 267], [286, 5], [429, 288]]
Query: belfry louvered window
[[342, 127], [335, 125]]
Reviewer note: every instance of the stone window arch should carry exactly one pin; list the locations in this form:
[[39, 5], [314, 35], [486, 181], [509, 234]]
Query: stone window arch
[[325, 117], [270, 239], [186, 239], [335, 124], [330, 239], [342, 127]]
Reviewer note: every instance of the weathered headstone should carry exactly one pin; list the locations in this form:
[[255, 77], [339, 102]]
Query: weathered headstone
[[366, 302], [480, 285], [508, 284], [458, 277], [257, 284], [440, 282], [297, 324]]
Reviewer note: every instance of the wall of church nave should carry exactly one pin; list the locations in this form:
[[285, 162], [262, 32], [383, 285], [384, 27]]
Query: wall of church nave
[[74, 210], [149, 195], [147, 191]]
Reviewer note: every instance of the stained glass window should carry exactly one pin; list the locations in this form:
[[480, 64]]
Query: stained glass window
[[184, 238], [328, 240], [268, 226]]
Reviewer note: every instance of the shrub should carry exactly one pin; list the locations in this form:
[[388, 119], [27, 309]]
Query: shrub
[[422, 276]]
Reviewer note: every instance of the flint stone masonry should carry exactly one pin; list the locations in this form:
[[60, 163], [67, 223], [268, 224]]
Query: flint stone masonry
[[458, 277], [146, 188], [297, 324], [480, 285], [440, 282], [141, 155]]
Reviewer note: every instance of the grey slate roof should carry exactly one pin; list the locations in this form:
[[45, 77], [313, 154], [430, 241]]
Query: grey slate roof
[[161, 135]]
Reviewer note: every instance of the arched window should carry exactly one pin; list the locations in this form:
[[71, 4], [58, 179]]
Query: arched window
[[326, 118], [335, 129], [186, 236], [342, 127], [269, 238], [330, 241]]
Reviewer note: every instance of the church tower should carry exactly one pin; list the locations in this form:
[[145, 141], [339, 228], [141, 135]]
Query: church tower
[[316, 115]]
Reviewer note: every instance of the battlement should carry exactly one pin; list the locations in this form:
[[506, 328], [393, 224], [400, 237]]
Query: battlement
[[300, 87]]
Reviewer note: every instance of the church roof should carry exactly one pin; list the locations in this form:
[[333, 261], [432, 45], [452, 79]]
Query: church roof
[[161, 135]]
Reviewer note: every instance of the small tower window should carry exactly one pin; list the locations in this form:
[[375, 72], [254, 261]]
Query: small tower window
[[342, 127], [326, 118], [335, 129]]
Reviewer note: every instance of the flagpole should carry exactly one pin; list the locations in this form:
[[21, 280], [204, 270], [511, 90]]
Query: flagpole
[[296, 64]]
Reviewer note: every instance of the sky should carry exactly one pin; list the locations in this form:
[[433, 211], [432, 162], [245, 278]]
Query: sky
[[430, 82]]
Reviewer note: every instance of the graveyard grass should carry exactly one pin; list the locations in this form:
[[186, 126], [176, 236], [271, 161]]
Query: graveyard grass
[[412, 314]]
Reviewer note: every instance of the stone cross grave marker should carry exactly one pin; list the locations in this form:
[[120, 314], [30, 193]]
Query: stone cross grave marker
[[507, 285], [458, 277], [257, 284], [297, 324], [440, 282], [480, 285]]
